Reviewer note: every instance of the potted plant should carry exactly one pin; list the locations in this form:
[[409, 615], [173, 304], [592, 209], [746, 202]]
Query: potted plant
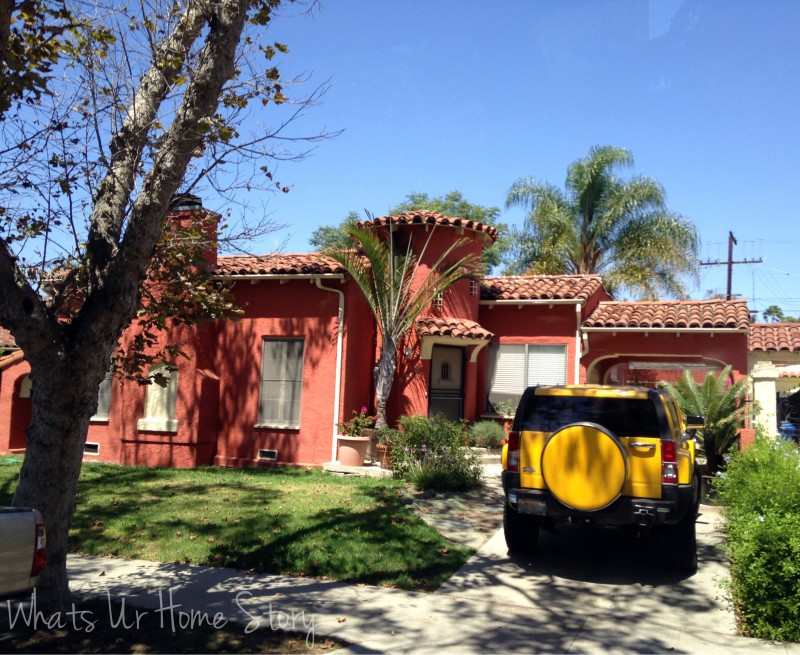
[[353, 443], [386, 440]]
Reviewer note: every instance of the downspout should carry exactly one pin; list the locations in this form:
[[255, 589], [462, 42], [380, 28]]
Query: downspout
[[578, 350], [337, 389]]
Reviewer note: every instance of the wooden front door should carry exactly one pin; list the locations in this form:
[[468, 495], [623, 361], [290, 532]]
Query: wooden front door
[[446, 389]]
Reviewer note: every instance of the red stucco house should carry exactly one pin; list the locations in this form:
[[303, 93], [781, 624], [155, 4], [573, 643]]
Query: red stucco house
[[272, 386]]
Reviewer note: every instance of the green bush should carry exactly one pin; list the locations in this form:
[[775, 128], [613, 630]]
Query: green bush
[[760, 498], [486, 434], [432, 453]]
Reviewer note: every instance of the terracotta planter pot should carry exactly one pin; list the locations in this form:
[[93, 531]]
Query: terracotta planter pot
[[353, 450], [383, 454]]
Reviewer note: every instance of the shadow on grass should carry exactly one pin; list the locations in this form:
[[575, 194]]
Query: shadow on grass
[[384, 545], [285, 520]]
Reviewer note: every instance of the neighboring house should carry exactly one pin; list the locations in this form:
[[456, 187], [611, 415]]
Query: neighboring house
[[774, 363], [272, 386]]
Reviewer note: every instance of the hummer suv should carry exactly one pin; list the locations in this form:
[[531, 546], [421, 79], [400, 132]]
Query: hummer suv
[[602, 456]]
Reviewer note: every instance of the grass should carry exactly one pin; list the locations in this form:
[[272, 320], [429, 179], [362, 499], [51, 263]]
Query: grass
[[291, 521]]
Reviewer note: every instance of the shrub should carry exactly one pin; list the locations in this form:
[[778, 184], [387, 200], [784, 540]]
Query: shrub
[[487, 434], [722, 406], [760, 498], [432, 453]]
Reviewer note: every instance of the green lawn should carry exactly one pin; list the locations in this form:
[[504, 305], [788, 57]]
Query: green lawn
[[288, 520]]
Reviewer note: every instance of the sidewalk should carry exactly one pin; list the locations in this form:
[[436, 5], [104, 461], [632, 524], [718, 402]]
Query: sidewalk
[[558, 604], [377, 620]]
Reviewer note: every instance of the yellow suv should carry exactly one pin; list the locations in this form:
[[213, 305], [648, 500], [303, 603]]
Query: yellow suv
[[606, 457]]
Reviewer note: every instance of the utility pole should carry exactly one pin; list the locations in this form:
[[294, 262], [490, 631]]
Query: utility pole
[[731, 242]]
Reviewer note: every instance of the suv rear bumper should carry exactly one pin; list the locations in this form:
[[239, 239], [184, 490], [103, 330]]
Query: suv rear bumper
[[625, 511]]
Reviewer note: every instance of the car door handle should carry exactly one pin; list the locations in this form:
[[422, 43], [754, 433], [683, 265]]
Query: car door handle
[[642, 444]]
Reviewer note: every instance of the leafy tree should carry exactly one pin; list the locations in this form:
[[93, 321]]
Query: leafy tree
[[452, 204], [620, 229], [107, 112], [721, 404], [327, 236], [398, 290]]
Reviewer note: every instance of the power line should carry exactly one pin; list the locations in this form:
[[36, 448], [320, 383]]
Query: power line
[[731, 242]]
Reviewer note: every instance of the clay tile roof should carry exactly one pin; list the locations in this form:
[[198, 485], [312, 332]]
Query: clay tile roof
[[312, 263], [6, 340], [432, 218], [701, 314], [451, 327], [774, 336], [541, 287]]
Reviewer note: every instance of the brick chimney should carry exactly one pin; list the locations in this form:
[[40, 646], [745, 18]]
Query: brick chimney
[[186, 210]]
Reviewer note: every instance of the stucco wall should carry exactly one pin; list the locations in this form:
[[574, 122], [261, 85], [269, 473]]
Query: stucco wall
[[295, 309]]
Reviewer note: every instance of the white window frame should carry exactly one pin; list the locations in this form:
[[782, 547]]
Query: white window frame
[[104, 396], [281, 382], [161, 401], [513, 367]]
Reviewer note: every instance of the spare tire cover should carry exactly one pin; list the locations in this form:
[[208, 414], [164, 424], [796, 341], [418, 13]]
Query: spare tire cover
[[584, 466]]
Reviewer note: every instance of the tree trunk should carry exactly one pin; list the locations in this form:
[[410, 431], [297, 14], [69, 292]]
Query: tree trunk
[[64, 398], [387, 363]]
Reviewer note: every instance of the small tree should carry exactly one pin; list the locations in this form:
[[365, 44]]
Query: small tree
[[108, 111], [723, 407], [396, 297]]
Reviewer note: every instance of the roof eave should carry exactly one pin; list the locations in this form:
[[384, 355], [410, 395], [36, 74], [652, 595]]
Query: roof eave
[[662, 329], [280, 276], [535, 301]]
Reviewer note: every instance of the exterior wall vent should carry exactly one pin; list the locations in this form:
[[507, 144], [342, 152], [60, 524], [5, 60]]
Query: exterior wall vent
[[91, 448], [267, 454]]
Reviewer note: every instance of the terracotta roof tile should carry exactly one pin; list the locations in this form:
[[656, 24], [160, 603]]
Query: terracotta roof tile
[[705, 314], [312, 263], [432, 218], [6, 339], [541, 287], [774, 336], [451, 327]]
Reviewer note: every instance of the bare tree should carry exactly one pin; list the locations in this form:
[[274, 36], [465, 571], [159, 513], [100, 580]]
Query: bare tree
[[107, 113]]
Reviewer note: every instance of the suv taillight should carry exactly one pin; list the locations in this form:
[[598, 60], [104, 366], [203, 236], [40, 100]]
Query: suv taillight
[[512, 455], [39, 550], [669, 462]]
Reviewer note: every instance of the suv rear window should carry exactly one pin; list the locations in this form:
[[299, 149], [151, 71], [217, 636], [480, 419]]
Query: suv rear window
[[625, 417]]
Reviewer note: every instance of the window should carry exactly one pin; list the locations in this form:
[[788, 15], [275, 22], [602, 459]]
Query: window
[[25, 387], [438, 300], [160, 401], [104, 398], [625, 417], [281, 383], [514, 367]]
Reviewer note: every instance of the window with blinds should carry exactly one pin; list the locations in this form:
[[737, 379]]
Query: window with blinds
[[281, 383], [513, 367]]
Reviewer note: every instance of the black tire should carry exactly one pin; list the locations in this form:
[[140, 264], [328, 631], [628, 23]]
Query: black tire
[[680, 541], [521, 532]]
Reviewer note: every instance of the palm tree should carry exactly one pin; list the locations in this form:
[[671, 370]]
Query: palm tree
[[722, 405], [603, 225], [773, 314], [389, 281]]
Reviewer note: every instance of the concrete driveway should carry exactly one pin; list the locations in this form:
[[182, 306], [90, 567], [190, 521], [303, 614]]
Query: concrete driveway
[[605, 575]]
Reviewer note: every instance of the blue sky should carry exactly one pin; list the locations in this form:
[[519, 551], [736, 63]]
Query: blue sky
[[442, 95]]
